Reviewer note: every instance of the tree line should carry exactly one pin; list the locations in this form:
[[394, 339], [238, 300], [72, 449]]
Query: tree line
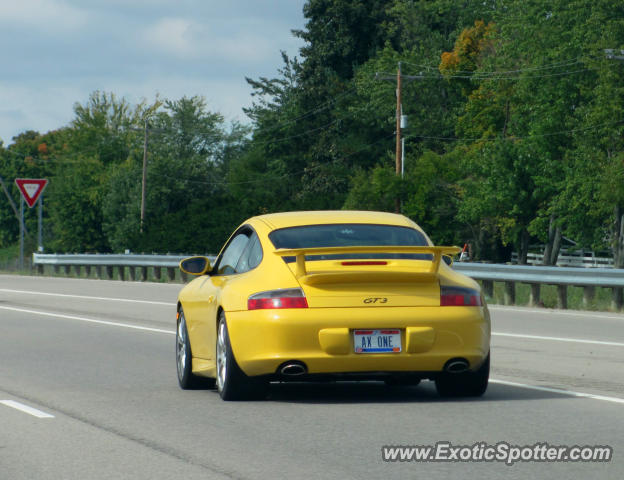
[[515, 136]]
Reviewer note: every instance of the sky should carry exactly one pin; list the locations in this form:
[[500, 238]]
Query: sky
[[56, 52]]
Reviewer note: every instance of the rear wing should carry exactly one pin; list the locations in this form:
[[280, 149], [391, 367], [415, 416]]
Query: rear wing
[[303, 275]]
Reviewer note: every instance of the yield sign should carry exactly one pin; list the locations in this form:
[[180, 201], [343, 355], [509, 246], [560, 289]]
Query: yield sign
[[31, 188]]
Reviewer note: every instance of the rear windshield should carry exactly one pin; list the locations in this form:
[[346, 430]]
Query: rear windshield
[[349, 235]]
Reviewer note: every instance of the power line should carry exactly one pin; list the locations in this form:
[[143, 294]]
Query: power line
[[505, 72], [411, 135], [282, 176], [512, 138], [491, 77], [319, 108], [307, 169]]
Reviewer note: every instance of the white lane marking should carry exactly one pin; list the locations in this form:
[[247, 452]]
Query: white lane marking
[[558, 390], [26, 409], [109, 299], [554, 312], [558, 339], [89, 320]]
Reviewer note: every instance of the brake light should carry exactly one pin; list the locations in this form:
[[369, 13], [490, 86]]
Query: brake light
[[459, 297], [282, 298], [365, 262]]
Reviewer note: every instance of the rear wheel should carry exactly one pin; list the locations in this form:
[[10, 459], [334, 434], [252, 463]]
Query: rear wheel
[[184, 359], [232, 383], [466, 384]]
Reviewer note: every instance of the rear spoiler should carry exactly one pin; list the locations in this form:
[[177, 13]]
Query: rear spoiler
[[303, 275]]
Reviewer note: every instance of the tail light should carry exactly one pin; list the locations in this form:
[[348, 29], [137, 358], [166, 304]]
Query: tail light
[[282, 298], [459, 297]]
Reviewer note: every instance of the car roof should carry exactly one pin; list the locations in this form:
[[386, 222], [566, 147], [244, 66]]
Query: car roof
[[291, 219]]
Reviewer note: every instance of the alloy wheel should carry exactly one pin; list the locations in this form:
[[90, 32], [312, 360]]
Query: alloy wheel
[[181, 353], [221, 355]]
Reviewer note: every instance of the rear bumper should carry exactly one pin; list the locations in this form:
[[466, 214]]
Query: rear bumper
[[322, 338]]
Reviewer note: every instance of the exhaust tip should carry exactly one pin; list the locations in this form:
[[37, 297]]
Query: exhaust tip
[[292, 369], [456, 365]]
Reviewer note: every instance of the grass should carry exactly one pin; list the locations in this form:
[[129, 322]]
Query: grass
[[602, 300], [9, 259]]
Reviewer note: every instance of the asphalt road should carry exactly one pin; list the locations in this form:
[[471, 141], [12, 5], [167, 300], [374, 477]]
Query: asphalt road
[[97, 357]]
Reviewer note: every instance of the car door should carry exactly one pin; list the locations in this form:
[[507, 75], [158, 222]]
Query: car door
[[206, 299]]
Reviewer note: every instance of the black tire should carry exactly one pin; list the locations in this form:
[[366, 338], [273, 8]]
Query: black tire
[[232, 383], [184, 360], [467, 384]]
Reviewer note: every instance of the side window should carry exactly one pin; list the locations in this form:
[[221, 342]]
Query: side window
[[252, 256], [232, 254], [255, 254]]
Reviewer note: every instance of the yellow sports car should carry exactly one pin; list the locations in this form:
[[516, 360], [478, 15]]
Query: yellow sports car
[[328, 296]]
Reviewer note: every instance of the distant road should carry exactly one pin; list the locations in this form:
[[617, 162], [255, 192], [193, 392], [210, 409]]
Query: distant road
[[88, 390]]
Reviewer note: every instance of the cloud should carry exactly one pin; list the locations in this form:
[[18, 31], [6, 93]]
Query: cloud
[[171, 35], [41, 110], [42, 15], [186, 39], [59, 51]]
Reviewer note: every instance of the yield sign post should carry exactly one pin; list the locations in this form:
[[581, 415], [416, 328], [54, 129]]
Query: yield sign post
[[31, 190]]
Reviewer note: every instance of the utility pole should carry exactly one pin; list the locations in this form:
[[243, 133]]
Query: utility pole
[[399, 111], [144, 181], [400, 145], [21, 251]]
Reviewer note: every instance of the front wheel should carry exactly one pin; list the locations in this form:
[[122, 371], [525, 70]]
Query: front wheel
[[466, 384], [184, 359], [232, 383]]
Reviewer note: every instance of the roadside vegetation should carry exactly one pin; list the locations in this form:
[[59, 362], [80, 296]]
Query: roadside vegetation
[[515, 135]]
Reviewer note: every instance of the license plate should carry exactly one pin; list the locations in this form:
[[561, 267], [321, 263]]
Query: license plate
[[377, 341]]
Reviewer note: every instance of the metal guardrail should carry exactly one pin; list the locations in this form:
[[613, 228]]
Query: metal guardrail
[[137, 267], [577, 276], [109, 266], [128, 260], [562, 277]]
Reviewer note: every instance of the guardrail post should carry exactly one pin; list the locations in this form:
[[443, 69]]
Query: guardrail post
[[109, 272], [157, 273], [562, 296], [510, 293], [488, 288], [121, 272], [56, 269], [77, 270], [40, 269], [588, 295], [171, 274], [143, 274], [88, 270], [132, 273], [183, 277], [616, 302], [67, 269], [534, 296], [98, 271]]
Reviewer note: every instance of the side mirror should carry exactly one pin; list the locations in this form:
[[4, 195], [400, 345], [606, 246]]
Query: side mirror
[[196, 265], [448, 259]]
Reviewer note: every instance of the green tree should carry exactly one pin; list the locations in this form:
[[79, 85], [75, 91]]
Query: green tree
[[100, 137], [187, 197]]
